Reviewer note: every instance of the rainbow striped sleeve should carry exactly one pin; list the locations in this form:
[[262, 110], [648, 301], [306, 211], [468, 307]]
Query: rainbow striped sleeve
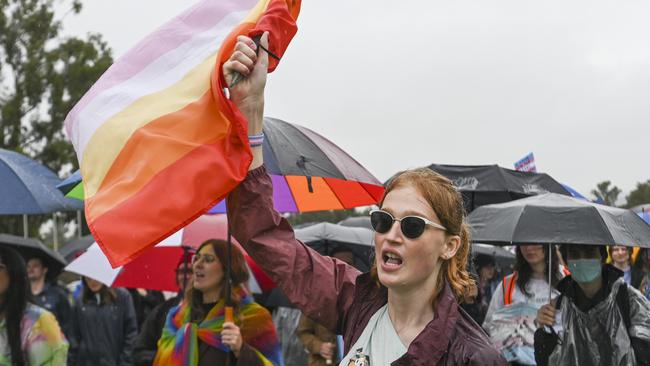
[[158, 143]]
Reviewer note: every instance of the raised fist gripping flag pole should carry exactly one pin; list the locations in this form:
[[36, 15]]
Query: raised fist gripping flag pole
[[157, 141]]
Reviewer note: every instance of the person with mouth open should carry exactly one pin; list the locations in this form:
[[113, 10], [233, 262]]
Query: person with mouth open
[[196, 331], [406, 310]]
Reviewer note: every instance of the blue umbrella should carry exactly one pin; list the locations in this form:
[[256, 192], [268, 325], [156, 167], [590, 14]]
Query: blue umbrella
[[574, 193], [30, 188], [645, 215], [70, 182]]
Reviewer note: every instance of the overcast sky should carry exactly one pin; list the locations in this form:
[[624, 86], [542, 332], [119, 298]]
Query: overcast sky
[[401, 84]]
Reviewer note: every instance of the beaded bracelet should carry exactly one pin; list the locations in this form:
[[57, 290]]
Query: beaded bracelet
[[256, 140]]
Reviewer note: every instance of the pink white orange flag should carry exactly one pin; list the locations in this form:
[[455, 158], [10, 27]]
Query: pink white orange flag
[[157, 141]]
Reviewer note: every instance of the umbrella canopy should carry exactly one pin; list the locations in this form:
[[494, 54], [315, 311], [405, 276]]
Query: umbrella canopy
[[309, 173], [488, 184], [491, 250], [154, 269], [29, 188], [29, 248], [71, 186], [645, 215], [326, 238], [357, 221], [557, 219], [574, 193], [72, 249], [641, 208]]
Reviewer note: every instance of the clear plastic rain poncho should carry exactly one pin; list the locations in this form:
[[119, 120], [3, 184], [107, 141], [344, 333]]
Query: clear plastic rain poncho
[[598, 337]]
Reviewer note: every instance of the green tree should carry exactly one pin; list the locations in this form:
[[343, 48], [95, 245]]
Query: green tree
[[640, 195], [42, 75], [605, 194]]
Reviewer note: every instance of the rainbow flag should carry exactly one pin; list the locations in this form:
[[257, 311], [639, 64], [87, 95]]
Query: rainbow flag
[[158, 143]]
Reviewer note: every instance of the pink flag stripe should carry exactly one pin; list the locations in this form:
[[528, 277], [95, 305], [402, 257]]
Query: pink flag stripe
[[201, 17]]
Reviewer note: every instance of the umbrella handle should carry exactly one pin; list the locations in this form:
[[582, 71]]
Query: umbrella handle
[[550, 272], [229, 315]]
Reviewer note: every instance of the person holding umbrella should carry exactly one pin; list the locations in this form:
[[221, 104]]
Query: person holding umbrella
[[49, 295], [405, 311], [512, 311], [29, 334], [197, 331], [604, 321]]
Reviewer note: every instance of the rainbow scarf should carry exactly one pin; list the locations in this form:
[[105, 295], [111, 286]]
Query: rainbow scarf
[[178, 344]]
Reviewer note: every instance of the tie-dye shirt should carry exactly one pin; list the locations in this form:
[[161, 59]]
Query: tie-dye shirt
[[42, 341]]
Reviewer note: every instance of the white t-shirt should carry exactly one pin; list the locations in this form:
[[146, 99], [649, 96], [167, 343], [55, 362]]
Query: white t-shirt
[[379, 340]]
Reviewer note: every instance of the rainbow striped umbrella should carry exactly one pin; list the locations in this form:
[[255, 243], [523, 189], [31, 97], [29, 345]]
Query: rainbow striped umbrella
[[308, 171]]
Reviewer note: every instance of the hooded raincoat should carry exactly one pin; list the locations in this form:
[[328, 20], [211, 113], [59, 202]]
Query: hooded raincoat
[[599, 336]]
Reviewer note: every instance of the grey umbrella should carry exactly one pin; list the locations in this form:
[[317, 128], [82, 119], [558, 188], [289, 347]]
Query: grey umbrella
[[75, 247], [29, 248], [325, 238], [557, 219], [357, 221]]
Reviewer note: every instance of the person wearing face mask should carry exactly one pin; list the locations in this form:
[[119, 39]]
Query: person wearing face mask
[[406, 310], [604, 321]]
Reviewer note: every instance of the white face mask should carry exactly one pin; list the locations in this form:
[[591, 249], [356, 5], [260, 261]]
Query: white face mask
[[585, 270]]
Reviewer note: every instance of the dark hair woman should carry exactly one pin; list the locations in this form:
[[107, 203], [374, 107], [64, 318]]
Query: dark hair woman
[[511, 315], [104, 326], [406, 311], [29, 334], [196, 331]]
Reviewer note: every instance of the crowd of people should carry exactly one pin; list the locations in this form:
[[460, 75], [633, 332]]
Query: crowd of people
[[420, 304]]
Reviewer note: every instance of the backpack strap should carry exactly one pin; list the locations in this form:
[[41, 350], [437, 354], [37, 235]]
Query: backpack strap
[[509, 283]]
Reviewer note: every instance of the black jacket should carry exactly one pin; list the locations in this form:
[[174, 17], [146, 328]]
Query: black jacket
[[146, 344], [103, 334]]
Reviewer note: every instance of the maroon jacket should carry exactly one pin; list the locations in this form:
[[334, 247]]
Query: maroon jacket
[[337, 295]]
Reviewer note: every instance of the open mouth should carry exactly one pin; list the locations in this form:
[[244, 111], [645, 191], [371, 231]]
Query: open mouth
[[199, 275], [392, 260]]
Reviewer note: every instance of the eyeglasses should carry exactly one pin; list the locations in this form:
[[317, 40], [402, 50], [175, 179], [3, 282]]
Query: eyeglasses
[[207, 258], [412, 226]]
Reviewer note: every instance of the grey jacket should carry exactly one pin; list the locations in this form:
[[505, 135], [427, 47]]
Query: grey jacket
[[599, 336]]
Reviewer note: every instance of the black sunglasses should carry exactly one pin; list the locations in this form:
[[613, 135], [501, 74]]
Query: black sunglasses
[[411, 226]]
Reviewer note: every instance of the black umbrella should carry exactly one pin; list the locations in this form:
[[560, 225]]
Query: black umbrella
[[326, 238], [29, 248], [557, 219], [72, 249], [488, 184]]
